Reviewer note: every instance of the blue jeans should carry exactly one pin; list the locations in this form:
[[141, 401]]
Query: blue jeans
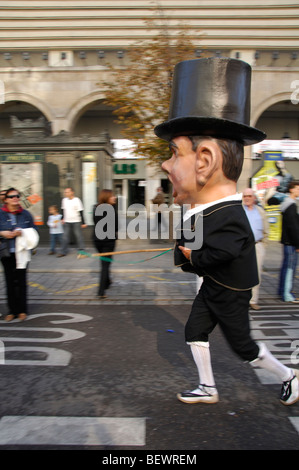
[[77, 231], [287, 273], [54, 239]]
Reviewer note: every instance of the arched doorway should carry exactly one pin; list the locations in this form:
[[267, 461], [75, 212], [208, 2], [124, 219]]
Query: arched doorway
[[275, 161], [23, 112], [96, 117], [41, 165], [128, 173], [23, 169], [280, 121]]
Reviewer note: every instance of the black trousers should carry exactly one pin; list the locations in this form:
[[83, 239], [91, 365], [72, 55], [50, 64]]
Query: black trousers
[[16, 286], [104, 281], [105, 275], [215, 304]]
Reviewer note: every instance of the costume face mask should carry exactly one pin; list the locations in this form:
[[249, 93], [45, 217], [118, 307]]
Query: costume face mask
[[181, 171]]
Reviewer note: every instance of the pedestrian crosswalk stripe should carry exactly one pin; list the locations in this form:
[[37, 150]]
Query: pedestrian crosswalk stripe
[[295, 422], [79, 431]]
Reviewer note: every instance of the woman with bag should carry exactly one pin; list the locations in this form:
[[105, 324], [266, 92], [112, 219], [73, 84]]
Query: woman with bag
[[18, 230]]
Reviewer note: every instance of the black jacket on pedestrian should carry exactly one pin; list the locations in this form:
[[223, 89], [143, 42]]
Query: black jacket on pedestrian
[[108, 228], [290, 223], [105, 219]]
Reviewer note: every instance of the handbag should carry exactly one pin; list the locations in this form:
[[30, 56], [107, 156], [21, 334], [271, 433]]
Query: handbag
[[4, 251]]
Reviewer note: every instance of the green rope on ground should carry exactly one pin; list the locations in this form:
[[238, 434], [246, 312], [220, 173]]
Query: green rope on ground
[[104, 258], [124, 262]]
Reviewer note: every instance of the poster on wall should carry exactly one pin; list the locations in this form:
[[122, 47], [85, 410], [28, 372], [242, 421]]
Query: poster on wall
[[24, 172], [270, 184], [271, 181], [275, 222]]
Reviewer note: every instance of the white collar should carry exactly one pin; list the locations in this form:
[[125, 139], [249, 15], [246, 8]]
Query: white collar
[[201, 207]]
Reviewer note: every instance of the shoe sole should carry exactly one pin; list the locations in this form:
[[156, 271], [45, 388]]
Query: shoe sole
[[297, 399], [9, 317], [193, 401], [290, 403], [22, 316]]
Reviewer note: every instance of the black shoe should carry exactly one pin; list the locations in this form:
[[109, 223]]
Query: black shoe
[[290, 390]]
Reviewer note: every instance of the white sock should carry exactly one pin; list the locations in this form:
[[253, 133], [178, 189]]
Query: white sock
[[267, 361], [202, 358]]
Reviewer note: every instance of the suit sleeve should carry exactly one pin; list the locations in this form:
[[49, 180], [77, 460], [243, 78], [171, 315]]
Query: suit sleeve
[[221, 246]]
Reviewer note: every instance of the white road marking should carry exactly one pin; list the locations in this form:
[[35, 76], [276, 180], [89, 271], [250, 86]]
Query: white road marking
[[39, 355], [282, 343], [295, 422], [78, 431]]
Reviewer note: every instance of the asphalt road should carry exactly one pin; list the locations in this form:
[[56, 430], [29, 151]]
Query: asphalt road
[[105, 377]]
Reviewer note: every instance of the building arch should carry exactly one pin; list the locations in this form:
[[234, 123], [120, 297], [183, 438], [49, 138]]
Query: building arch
[[280, 120], [31, 100], [81, 106], [267, 103]]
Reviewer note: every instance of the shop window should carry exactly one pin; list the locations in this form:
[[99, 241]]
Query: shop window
[[59, 174]]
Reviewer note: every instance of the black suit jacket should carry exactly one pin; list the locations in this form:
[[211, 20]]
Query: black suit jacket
[[227, 254]]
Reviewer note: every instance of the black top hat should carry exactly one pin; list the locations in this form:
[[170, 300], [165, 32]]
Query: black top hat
[[211, 97]]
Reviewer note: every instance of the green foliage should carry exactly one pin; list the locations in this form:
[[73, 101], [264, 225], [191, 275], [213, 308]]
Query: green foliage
[[140, 90]]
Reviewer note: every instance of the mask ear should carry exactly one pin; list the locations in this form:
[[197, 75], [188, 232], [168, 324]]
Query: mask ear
[[208, 161]]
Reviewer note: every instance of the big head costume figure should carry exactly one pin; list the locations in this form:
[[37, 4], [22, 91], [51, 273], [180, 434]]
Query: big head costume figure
[[210, 98], [207, 129]]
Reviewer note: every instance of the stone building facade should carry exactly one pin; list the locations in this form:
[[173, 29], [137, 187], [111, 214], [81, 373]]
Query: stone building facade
[[52, 67]]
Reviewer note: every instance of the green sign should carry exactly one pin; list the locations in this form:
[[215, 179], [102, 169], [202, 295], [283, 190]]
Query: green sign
[[21, 157], [125, 168]]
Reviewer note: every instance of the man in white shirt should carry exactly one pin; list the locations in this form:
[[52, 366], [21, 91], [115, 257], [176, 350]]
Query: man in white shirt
[[73, 220]]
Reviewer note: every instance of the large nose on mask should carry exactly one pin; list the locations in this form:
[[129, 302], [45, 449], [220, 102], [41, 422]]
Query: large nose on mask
[[165, 166]]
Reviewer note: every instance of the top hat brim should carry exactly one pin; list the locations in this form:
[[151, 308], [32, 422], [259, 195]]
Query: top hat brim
[[209, 126]]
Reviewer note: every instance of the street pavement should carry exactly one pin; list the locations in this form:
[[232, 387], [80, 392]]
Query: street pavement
[[139, 278], [88, 374]]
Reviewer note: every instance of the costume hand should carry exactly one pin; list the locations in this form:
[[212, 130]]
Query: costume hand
[[84, 225], [186, 252]]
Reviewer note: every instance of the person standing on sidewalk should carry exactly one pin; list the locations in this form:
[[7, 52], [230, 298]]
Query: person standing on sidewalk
[[158, 202], [207, 129], [55, 229], [105, 220], [290, 241], [260, 227], [18, 230], [73, 220]]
